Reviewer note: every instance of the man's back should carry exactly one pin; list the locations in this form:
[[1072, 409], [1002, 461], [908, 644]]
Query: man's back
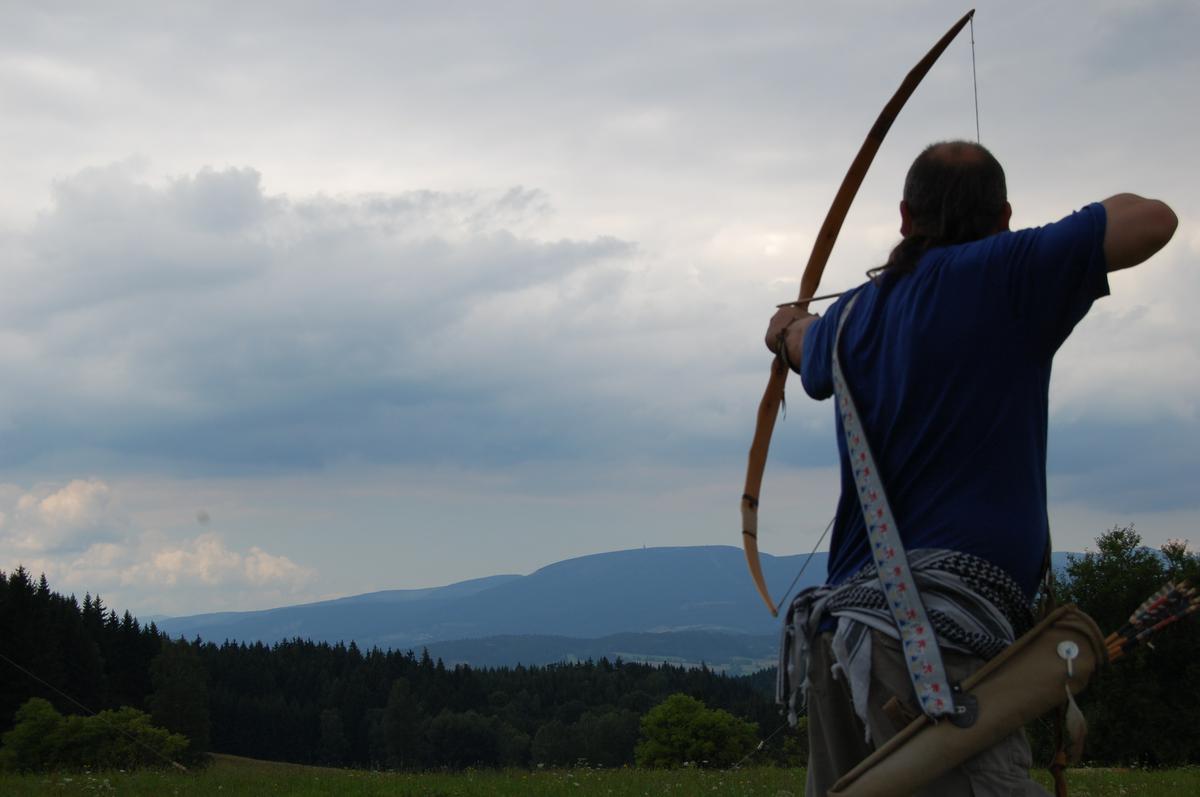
[[950, 368]]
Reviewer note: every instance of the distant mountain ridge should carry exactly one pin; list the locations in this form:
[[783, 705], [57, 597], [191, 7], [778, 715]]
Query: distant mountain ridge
[[638, 590], [558, 612]]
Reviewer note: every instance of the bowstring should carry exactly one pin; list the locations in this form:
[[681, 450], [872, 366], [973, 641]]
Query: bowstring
[[975, 82], [804, 566]]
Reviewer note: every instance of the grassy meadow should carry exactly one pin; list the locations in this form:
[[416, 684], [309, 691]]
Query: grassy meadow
[[229, 776]]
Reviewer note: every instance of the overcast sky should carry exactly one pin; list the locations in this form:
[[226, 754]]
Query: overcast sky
[[303, 300]]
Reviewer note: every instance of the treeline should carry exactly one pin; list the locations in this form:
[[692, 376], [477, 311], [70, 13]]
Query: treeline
[[311, 702], [334, 704]]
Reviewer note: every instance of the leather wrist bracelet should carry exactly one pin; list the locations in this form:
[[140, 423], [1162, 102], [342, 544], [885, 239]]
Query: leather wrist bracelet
[[783, 347]]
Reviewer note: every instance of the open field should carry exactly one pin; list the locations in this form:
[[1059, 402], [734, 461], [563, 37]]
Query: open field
[[233, 777]]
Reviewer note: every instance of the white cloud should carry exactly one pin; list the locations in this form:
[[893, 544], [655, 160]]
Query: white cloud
[[52, 519], [207, 561], [79, 504], [82, 538]]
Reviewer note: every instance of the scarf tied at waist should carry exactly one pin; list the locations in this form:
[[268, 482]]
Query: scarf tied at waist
[[974, 606]]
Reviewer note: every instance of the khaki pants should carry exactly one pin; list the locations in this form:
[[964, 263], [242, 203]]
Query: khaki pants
[[837, 739]]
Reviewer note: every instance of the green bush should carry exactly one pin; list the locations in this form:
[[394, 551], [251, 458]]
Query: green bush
[[29, 746], [42, 740], [682, 730]]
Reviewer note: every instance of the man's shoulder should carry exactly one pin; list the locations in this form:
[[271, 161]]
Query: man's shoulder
[[1085, 225]]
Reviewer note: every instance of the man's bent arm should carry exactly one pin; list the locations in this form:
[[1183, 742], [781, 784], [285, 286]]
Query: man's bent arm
[[1136, 228]]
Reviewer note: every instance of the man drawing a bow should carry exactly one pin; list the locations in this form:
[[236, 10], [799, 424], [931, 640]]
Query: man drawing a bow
[[947, 353]]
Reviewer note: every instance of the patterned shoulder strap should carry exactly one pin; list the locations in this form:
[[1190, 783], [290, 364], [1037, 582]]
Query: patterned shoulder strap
[[917, 638]]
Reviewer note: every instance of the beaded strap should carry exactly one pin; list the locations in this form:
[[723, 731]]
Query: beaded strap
[[917, 638]]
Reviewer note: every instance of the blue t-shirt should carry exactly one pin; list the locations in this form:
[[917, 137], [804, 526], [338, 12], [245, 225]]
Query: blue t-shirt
[[950, 368]]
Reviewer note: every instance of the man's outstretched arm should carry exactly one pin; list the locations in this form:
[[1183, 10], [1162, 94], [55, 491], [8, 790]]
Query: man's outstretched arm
[[1136, 228]]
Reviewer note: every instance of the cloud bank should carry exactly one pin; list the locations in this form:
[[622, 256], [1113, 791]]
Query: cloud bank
[[425, 292], [206, 323], [83, 539]]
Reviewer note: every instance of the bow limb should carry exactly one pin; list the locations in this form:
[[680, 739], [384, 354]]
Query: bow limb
[[768, 408]]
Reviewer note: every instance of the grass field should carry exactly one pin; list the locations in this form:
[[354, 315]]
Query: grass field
[[234, 777]]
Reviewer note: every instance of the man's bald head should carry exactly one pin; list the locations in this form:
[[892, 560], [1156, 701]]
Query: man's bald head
[[954, 192]]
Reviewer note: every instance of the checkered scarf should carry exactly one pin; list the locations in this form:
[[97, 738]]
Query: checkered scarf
[[975, 607]]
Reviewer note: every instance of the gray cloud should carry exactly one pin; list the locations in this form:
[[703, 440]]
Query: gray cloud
[[204, 321], [1130, 467]]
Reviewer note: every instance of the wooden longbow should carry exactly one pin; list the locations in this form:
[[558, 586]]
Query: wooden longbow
[[768, 408]]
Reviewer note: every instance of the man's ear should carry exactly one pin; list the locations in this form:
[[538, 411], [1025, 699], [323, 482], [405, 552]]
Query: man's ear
[[905, 219], [1005, 218]]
